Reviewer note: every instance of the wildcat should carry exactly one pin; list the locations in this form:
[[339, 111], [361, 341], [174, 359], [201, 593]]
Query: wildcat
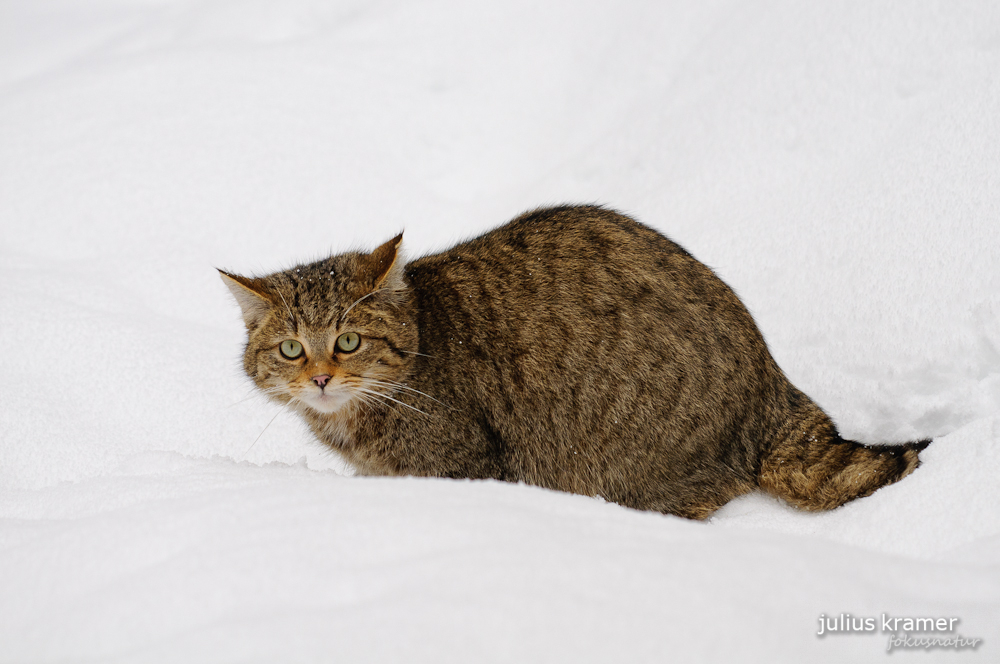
[[572, 348]]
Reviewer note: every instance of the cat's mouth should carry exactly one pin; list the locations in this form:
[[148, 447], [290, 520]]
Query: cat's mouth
[[327, 401]]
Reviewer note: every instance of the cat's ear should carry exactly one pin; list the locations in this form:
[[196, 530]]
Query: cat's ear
[[385, 265], [248, 293]]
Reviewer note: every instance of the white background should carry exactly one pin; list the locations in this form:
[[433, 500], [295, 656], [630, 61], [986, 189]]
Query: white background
[[837, 163]]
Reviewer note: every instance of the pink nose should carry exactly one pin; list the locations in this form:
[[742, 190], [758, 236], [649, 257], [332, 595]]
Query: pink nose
[[321, 380]]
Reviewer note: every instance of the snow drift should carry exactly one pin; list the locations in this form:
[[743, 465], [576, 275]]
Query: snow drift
[[835, 162]]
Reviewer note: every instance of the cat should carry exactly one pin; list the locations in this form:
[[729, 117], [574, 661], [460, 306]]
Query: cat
[[572, 348]]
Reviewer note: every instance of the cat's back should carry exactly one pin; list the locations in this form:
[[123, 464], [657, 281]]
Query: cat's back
[[584, 268], [593, 348], [543, 241]]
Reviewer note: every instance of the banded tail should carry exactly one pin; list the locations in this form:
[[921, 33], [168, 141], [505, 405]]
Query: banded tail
[[813, 468]]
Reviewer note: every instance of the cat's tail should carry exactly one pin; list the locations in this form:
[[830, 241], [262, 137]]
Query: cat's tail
[[813, 468]]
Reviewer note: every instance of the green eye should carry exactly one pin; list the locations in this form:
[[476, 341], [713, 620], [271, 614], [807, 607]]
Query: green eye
[[291, 349], [348, 342]]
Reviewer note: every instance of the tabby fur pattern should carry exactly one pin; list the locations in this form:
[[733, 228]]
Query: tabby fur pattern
[[572, 348]]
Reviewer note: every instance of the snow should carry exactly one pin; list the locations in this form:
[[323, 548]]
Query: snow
[[838, 164]]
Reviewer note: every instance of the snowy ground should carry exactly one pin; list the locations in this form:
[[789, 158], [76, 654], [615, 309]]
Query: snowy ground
[[838, 163]]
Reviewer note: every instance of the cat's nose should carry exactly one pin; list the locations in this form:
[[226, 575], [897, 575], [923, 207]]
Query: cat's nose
[[321, 380]]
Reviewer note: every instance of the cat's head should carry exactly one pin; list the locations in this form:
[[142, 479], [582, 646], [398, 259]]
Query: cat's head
[[323, 335]]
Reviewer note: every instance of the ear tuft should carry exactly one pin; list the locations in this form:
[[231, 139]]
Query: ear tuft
[[386, 265], [254, 304]]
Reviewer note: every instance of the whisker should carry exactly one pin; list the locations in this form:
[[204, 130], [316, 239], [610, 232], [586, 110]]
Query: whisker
[[261, 434], [372, 401], [400, 386], [368, 401], [288, 309], [386, 396], [344, 315], [369, 396], [256, 394], [413, 352], [364, 402], [243, 400]]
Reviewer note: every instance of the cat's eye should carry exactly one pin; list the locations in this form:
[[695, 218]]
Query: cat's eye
[[348, 342], [290, 349]]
